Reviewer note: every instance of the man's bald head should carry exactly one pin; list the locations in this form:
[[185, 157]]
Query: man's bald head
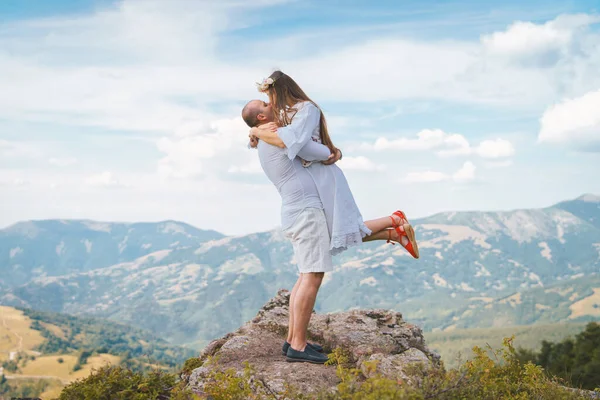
[[257, 112]]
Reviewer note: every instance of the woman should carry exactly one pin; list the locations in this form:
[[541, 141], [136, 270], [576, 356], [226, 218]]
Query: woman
[[298, 117]]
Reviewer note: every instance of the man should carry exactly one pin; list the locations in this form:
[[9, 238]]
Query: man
[[303, 219]]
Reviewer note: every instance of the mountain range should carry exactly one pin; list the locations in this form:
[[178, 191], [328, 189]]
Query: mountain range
[[477, 269]]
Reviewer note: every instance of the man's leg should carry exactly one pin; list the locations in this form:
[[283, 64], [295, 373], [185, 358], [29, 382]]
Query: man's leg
[[291, 308], [304, 303]]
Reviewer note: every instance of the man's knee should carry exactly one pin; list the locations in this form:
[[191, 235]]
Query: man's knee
[[313, 275], [314, 278]]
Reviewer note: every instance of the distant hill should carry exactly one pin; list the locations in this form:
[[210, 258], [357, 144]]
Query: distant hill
[[60, 348], [574, 300], [584, 207], [33, 249], [471, 265]]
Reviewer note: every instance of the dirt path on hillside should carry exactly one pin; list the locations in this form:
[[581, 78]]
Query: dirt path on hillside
[[20, 348], [19, 337]]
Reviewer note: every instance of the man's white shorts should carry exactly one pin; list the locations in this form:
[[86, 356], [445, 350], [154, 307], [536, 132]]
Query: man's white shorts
[[310, 238]]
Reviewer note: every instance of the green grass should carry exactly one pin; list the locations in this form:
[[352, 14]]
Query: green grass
[[452, 344]]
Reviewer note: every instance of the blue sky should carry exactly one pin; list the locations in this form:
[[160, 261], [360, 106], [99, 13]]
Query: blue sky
[[129, 110]]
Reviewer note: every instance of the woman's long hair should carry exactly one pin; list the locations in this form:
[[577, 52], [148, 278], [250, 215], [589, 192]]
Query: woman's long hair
[[284, 93]]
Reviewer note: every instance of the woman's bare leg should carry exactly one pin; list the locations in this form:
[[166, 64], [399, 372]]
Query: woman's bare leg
[[379, 224], [387, 234], [381, 235], [380, 230]]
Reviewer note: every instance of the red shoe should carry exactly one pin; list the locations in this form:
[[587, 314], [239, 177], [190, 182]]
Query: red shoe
[[405, 229]]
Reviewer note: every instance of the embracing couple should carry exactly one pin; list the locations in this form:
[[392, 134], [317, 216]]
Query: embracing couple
[[318, 212]]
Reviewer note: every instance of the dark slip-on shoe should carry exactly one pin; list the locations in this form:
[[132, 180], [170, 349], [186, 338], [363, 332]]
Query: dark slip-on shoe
[[308, 355], [315, 346]]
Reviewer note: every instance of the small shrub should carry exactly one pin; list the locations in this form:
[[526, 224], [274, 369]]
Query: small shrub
[[229, 384], [60, 360], [190, 365], [116, 382], [10, 366], [21, 389], [483, 378]]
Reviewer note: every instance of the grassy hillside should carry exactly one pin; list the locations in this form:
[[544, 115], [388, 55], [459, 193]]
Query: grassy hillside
[[471, 264], [571, 300], [459, 343], [44, 351]]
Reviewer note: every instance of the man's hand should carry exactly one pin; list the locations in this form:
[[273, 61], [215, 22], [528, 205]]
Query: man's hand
[[253, 141], [333, 158]]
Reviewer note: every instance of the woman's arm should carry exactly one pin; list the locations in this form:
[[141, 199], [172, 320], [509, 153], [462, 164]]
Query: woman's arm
[[268, 134], [313, 151], [299, 132], [296, 137]]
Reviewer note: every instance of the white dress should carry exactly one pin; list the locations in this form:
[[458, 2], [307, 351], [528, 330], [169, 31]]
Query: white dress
[[344, 220]]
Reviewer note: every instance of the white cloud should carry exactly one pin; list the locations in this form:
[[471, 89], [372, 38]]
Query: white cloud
[[16, 182], [209, 150], [125, 67], [446, 144], [465, 174], [128, 67], [498, 164], [458, 145], [208, 203], [13, 149], [103, 179], [359, 163], [183, 156], [574, 122], [427, 139], [526, 37], [425, 176], [483, 72], [252, 167], [497, 148], [537, 44], [62, 162]]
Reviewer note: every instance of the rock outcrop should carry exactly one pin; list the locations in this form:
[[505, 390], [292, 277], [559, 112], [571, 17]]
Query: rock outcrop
[[363, 335]]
